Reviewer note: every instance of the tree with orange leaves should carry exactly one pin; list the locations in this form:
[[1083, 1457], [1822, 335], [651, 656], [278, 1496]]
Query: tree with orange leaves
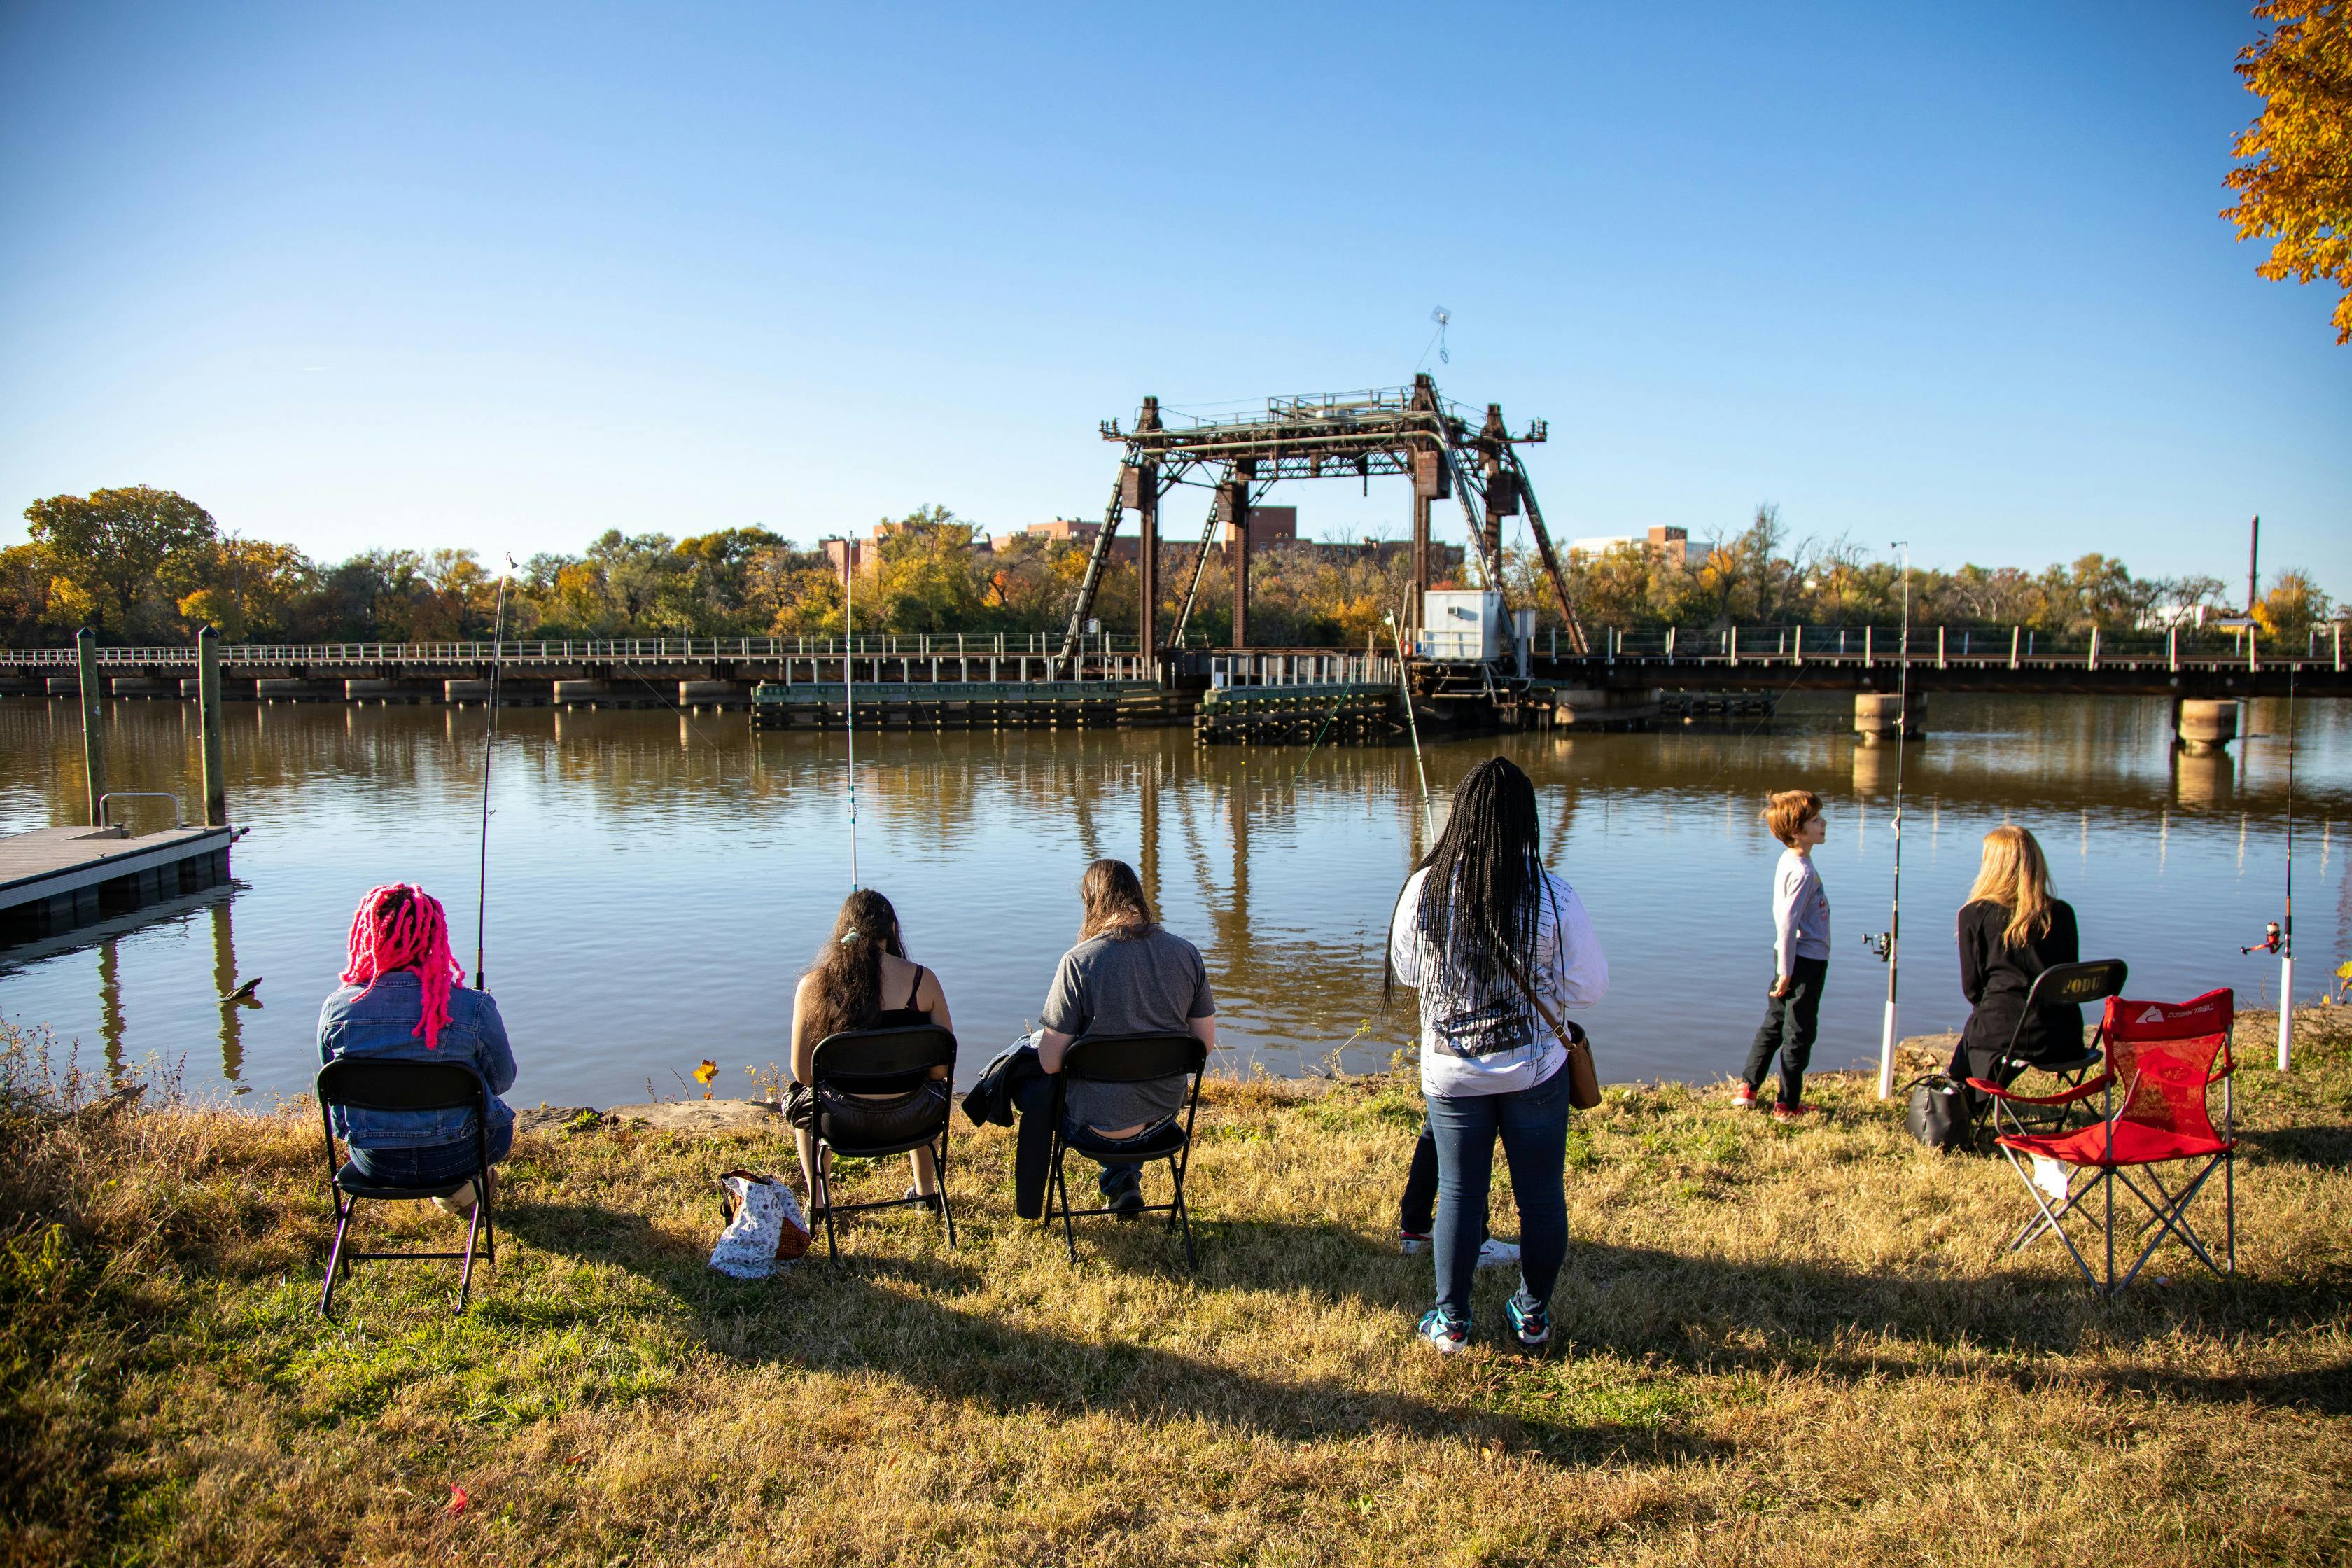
[[2296, 187]]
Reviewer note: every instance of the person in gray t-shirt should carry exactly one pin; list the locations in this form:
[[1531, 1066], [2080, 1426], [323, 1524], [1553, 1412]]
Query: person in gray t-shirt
[[1126, 976]]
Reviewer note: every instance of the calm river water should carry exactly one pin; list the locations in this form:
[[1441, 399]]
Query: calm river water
[[659, 880]]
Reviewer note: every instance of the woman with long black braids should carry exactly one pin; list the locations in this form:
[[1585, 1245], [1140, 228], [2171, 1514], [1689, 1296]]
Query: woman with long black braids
[[1485, 931]]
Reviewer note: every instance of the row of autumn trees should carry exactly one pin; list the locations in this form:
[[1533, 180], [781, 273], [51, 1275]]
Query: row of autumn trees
[[148, 565]]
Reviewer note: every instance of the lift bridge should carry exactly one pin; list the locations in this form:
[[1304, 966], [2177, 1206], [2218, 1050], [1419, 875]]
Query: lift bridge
[[1446, 451]]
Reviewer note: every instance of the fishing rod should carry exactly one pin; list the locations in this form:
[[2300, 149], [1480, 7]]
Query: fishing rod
[[1892, 950], [1404, 689], [489, 744], [2286, 922], [849, 689]]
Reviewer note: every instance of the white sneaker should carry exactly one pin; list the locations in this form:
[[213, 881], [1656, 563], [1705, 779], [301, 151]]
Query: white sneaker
[[1492, 1253], [459, 1203]]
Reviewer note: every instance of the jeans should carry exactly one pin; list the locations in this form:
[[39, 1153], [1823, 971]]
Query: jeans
[[1033, 1149], [1533, 1125], [435, 1162], [1417, 1211], [1112, 1180], [1790, 1025]]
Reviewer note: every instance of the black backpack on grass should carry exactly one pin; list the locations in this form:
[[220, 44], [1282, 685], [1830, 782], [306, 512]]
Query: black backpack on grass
[[1937, 1115]]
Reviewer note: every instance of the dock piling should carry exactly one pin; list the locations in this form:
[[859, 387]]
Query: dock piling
[[93, 738], [208, 719]]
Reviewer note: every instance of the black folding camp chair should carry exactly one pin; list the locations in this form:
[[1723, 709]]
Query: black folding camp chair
[[2061, 985], [1128, 1058], [362, 1083], [887, 1062]]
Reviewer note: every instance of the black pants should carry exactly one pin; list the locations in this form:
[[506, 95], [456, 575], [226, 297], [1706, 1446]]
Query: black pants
[[1790, 1025], [1417, 1212]]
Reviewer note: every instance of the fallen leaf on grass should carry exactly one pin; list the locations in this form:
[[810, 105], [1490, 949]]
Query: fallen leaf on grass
[[458, 1499]]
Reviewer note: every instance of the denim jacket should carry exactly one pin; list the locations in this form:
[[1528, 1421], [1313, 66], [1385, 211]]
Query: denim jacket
[[377, 1022]]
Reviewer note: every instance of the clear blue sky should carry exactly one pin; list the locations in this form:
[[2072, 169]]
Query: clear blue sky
[[508, 276]]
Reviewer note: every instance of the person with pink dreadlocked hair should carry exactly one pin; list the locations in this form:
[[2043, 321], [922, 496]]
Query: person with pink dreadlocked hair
[[403, 998]]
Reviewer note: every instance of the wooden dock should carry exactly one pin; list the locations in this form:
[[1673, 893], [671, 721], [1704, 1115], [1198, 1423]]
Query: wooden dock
[[971, 705], [55, 878], [1330, 713]]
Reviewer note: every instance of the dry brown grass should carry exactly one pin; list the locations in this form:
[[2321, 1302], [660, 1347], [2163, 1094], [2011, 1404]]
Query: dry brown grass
[[1780, 1347]]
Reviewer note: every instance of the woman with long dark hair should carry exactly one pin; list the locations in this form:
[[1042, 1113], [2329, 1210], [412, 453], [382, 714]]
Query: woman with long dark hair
[[403, 998], [1127, 976], [1485, 933], [851, 985]]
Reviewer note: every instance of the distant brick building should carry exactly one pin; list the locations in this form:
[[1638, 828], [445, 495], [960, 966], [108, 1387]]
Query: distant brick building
[[1671, 545]]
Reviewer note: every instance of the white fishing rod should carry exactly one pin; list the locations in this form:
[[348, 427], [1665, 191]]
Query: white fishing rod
[[849, 688], [489, 745], [1892, 952], [2286, 924]]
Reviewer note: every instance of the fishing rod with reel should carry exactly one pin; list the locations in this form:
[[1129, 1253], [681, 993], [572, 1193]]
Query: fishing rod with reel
[[1888, 944], [2278, 936], [489, 745]]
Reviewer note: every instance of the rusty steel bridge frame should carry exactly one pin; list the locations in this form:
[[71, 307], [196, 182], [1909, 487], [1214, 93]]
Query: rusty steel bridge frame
[[1410, 432]]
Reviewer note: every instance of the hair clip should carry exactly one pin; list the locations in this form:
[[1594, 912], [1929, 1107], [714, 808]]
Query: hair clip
[[848, 937]]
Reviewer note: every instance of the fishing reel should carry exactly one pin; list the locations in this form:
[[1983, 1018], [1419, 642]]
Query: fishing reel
[[1882, 944], [2272, 940]]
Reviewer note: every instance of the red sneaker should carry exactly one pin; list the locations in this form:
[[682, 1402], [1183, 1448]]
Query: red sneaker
[[1791, 1112], [1743, 1097]]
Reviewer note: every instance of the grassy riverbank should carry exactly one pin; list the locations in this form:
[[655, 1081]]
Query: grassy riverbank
[[1780, 1347]]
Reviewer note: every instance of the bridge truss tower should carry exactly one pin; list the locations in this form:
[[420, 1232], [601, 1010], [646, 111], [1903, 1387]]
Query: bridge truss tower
[[1408, 432]]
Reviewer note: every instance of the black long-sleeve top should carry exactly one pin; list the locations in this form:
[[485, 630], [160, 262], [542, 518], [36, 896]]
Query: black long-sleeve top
[[1996, 978]]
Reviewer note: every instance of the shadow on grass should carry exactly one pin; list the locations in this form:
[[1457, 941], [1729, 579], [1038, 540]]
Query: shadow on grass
[[902, 1316], [903, 1313]]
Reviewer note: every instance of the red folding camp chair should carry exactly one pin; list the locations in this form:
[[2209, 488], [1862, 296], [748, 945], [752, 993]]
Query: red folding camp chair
[[2161, 1059]]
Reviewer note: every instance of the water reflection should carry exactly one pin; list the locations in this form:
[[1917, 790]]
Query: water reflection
[[659, 879]]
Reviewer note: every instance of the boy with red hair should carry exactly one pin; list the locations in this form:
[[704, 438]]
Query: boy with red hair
[[1801, 949]]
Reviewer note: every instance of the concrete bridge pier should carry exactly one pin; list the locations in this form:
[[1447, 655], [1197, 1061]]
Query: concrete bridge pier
[[1587, 708], [2203, 727], [700, 694], [580, 694], [1877, 715]]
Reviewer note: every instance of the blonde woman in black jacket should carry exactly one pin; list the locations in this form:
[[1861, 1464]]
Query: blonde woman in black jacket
[[2011, 930]]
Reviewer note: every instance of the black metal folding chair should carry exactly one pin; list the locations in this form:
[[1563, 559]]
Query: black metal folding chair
[[362, 1083], [1128, 1058], [883, 1062], [2061, 985]]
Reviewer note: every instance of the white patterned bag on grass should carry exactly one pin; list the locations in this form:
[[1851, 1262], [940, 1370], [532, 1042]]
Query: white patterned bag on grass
[[765, 1224]]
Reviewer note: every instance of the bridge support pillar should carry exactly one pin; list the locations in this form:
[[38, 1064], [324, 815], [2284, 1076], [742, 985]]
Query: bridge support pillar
[[1878, 714], [465, 691], [1586, 709], [371, 690], [713, 693], [569, 693], [2203, 726]]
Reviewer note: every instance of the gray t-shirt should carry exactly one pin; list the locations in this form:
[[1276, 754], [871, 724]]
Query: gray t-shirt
[[1146, 985]]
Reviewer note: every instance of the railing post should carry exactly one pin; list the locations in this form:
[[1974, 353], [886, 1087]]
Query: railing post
[[2339, 648], [1800, 643], [1670, 644], [1733, 645], [2253, 654], [2091, 662], [2012, 646], [1869, 646], [2172, 647], [1939, 647]]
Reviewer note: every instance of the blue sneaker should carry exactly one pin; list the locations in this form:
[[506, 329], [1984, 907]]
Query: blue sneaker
[[1442, 1330], [1530, 1319]]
